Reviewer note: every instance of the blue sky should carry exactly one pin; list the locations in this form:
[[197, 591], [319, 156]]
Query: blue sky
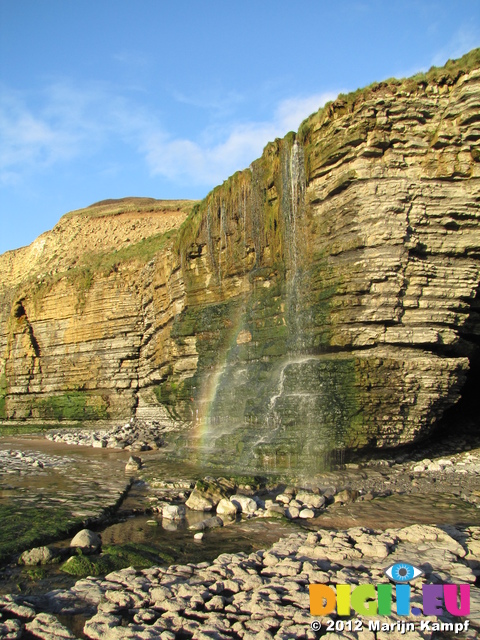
[[111, 98]]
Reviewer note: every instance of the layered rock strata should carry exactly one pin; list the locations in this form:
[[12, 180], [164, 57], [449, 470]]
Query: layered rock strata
[[78, 309], [331, 289], [326, 297]]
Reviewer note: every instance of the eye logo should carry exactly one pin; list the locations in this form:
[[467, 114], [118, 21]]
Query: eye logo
[[402, 572]]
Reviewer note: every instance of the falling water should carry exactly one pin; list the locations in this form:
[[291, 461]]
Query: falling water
[[271, 401], [223, 240], [297, 193], [293, 209]]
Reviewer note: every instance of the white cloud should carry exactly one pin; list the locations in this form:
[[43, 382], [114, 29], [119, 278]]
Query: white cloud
[[63, 124], [292, 111], [462, 41], [185, 160], [28, 139], [69, 122]]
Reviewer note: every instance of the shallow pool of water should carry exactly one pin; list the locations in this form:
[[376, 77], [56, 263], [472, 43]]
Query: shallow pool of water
[[399, 510], [81, 481]]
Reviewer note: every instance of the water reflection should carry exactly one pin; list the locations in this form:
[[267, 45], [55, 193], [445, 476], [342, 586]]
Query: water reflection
[[398, 511]]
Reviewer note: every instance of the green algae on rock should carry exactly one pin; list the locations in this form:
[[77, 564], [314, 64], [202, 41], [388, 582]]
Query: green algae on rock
[[115, 557]]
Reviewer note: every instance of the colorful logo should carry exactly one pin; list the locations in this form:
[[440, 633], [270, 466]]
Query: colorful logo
[[372, 600]]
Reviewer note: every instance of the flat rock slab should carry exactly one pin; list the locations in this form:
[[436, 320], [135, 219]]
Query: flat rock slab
[[46, 627], [266, 594]]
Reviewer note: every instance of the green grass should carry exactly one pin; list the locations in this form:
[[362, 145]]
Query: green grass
[[21, 430], [114, 207], [447, 74], [142, 251], [93, 264], [3, 392]]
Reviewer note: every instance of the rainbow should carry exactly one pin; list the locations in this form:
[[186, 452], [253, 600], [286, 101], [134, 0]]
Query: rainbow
[[203, 423]]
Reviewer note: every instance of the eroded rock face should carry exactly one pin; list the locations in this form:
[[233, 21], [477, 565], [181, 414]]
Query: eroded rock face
[[80, 306], [332, 288], [326, 297]]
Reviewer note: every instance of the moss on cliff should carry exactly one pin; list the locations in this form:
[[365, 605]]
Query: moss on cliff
[[141, 252], [257, 228], [319, 252], [347, 103], [95, 265], [75, 405], [3, 393]]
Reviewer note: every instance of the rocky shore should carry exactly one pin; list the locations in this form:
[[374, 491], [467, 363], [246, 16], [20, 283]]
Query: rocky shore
[[449, 465], [263, 595], [444, 468], [136, 435], [266, 593], [14, 461]]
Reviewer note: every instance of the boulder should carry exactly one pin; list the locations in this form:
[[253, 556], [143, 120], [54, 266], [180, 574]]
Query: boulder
[[311, 499], [275, 508], [86, 540], [306, 513], [198, 502], [244, 503], [174, 511], [226, 508], [208, 493], [134, 464], [39, 555], [347, 495], [217, 488]]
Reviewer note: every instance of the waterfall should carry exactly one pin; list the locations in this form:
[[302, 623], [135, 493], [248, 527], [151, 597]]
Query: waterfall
[[297, 193], [293, 210], [267, 398]]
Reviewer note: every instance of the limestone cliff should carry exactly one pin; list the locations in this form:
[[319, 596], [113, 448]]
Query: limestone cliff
[[327, 296], [75, 309]]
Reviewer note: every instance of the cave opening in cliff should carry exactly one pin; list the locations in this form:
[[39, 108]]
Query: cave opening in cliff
[[19, 311], [463, 418]]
